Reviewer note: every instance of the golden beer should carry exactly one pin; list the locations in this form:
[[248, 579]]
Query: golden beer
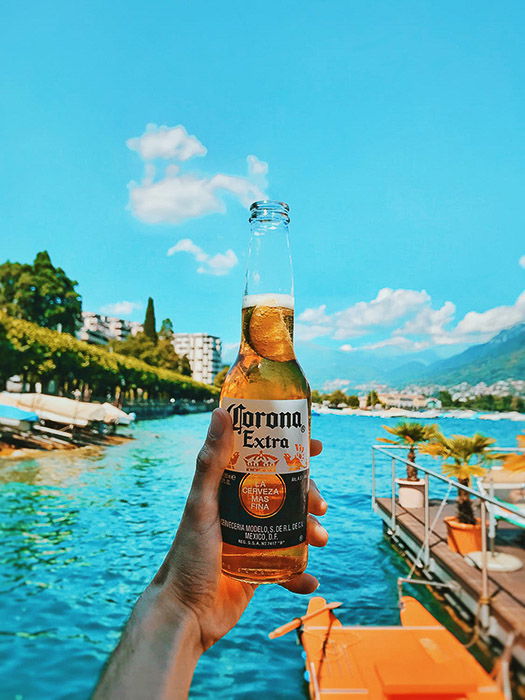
[[263, 498]]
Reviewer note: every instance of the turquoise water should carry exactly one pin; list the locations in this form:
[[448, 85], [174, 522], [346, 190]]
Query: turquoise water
[[81, 535]]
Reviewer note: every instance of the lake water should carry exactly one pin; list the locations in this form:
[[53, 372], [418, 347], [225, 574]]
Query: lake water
[[82, 534]]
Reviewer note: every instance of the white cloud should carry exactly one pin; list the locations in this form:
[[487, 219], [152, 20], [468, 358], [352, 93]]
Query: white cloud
[[398, 342], [219, 264], [173, 199], [256, 166], [305, 332], [388, 306], [121, 308], [175, 196], [429, 321], [493, 320], [423, 325], [166, 142], [521, 261]]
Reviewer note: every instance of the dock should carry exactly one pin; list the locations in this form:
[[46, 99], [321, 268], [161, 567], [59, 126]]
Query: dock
[[506, 591]]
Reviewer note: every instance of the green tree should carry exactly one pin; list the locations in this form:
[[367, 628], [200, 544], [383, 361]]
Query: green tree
[[353, 401], [372, 398], [166, 329], [317, 397], [457, 453], [446, 399], [150, 323], [9, 287], [185, 366], [221, 376], [336, 398], [40, 293], [160, 354], [40, 354], [410, 434]]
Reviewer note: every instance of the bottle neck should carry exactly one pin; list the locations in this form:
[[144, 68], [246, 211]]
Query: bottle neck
[[269, 276]]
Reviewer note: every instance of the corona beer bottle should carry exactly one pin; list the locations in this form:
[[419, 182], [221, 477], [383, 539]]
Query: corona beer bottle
[[263, 497]]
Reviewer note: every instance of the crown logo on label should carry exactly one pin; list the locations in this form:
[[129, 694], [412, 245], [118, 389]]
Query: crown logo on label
[[261, 462]]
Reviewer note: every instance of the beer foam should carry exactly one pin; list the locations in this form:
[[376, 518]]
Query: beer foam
[[285, 300]]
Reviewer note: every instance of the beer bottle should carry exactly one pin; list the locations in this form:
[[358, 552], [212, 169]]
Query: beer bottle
[[264, 489]]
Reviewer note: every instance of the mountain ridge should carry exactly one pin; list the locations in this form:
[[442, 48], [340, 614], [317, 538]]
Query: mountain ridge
[[502, 357]]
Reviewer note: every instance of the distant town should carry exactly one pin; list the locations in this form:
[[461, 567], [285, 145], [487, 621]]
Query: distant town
[[503, 395]]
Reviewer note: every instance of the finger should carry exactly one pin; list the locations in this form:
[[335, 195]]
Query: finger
[[214, 454], [316, 503], [316, 535], [316, 447], [302, 583]]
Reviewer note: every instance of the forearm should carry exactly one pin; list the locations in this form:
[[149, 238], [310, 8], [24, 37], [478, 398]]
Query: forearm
[[157, 653]]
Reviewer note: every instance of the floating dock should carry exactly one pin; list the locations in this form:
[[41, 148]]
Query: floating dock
[[505, 626]]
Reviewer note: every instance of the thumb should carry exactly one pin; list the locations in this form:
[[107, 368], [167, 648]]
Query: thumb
[[214, 454], [202, 504]]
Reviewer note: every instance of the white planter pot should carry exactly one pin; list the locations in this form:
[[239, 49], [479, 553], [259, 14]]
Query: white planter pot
[[411, 494]]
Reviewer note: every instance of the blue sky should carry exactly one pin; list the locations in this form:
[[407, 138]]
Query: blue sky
[[394, 131]]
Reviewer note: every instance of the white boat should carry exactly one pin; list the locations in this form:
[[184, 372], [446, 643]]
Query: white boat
[[60, 409], [16, 418]]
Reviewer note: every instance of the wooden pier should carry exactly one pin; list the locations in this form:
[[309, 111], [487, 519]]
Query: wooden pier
[[506, 590]]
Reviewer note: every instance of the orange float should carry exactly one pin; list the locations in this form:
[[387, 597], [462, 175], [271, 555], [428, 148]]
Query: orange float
[[418, 660]]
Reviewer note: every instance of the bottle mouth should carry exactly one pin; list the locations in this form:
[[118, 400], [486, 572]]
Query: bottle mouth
[[269, 210]]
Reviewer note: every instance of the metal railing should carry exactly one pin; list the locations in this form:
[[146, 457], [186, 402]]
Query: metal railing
[[423, 557]]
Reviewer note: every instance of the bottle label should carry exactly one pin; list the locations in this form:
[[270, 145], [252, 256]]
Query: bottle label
[[264, 489]]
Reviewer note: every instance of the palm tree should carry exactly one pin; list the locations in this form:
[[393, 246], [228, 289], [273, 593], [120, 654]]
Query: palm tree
[[459, 450], [410, 434], [516, 462]]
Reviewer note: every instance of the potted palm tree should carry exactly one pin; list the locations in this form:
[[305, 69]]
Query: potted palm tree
[[410, 490], [464, 529], [515, 462]]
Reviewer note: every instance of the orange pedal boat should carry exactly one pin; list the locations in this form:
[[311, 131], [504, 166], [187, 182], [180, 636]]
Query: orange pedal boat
[[418, 660]]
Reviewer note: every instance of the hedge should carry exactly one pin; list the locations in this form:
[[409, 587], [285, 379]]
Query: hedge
[[40, 354]]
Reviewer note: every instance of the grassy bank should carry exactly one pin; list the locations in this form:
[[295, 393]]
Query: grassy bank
[[59, 359]]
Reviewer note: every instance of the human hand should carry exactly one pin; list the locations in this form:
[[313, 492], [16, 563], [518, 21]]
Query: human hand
[[190, 603], [190, 577]]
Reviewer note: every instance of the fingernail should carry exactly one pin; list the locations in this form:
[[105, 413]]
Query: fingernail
[[216, 428]]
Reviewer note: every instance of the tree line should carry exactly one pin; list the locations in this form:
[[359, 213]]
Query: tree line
[[40, 312], [62, 364], [487, 402], [154, 348]]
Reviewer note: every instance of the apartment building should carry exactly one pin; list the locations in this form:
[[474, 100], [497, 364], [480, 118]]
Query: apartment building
[[100, 329], [203, 352], [409, 401]]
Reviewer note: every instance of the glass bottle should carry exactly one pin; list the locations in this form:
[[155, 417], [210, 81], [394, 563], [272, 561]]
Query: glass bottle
[[263, 499]]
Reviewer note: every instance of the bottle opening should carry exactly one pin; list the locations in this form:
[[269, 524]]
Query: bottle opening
[[268, 210]]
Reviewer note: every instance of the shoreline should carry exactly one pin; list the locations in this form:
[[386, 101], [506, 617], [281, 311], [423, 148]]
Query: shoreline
[[431, 414]]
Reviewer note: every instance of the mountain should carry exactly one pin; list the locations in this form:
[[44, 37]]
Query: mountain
[[503, 357], [323, 364]]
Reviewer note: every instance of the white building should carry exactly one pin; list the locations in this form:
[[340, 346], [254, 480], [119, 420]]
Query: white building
[[100, 329], [203, 352], [409, 401]]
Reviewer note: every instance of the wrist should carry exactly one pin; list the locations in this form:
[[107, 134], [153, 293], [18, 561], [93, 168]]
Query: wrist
[[157, 653], [160, 611]]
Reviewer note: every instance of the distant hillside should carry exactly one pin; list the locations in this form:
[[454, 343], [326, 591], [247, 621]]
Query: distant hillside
[[503, 357]]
